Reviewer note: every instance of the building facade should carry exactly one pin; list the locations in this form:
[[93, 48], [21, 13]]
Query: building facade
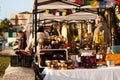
[[20, 19]]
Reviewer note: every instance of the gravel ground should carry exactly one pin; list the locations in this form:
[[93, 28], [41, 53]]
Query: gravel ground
[[19, 73], [5, 52], [16, 73], [1, 78]]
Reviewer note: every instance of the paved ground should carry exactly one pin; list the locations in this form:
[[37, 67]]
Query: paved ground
[[6, 76], [1, 78], [6, 51], [19, 73]]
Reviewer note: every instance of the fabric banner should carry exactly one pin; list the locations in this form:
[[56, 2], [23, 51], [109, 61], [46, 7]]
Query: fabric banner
[[102, 4], [94, 3], [80, 2], [62, 13], [117, 2], [86, 2], [54, 13]]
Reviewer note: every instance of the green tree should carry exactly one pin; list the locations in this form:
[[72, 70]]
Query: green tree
[[4, 24]]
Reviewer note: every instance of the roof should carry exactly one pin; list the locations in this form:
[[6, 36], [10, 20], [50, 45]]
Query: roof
[[75, 16], [68, 4], [57, 5], [25, 12]]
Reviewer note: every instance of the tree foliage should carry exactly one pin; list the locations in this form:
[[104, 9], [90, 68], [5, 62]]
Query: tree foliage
[[4, 24]]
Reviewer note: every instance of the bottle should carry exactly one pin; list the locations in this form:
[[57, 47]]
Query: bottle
[[99, 56], [109, 50]]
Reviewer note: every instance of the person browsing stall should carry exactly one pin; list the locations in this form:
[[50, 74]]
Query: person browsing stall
[[22, 40], [101, 33]]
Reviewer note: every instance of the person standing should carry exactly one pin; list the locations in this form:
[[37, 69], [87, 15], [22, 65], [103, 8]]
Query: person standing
[[22, 40], [102, 36]]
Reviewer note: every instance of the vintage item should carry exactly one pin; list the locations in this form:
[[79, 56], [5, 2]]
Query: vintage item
[[88, 61], [110, 63], [113, 57], [48, 63], [100, 57], [52, 54]]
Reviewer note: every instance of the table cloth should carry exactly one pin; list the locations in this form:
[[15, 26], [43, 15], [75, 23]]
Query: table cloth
[[101, 73]]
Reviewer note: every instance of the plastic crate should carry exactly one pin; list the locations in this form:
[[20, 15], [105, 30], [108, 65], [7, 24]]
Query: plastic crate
[[14, 60], [27, 61], [23, 61]]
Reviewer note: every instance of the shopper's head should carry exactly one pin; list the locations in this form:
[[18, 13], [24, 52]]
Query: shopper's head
[[20, 33], [99, 19], [40, 29]]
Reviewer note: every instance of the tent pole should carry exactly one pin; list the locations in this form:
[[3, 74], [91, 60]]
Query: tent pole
[[35, 25]]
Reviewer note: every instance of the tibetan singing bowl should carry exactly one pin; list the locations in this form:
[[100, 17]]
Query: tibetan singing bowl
[[62, 61], [54, 61], [48, 62], [40, 41]]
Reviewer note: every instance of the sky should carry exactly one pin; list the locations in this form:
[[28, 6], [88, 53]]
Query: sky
[[8, 7]]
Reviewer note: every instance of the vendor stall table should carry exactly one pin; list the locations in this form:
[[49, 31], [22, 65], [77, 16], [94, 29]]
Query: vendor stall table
[[102, 73]]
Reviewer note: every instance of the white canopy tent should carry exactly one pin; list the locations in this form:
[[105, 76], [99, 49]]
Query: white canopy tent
[[55, 4], [75, 16], [67, 4], [42, 5]]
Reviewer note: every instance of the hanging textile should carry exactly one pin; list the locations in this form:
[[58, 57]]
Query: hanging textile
[[79, 25], [69, 11], [63, 13], [47, 11], [64, 31], [80, 2], [86, 2], [54, 13], [117, 2], [94, 3], [102, 4]]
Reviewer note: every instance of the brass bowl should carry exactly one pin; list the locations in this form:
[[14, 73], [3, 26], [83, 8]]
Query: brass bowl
[[54, 61], [48, 62], [62, 61]]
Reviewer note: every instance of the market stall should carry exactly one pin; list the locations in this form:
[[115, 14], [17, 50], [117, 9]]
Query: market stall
[[71, 28]]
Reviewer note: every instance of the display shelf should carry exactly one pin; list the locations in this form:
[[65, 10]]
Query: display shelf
[[52, 50]]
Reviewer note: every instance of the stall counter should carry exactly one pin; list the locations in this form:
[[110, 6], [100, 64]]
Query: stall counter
[[102, 73]]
